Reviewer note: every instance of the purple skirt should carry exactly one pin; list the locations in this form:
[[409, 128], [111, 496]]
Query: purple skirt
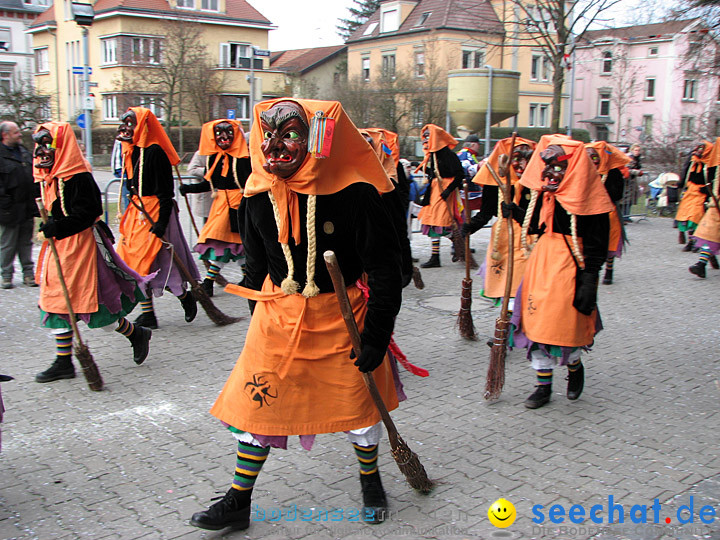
[[714, 247]]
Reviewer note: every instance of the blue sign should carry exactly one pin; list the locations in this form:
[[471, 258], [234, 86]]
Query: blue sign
[[81, 121], [231, 114], [78, 70]]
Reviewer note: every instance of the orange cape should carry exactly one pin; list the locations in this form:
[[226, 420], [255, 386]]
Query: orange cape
[[439, 139], [379, 144], [351, 160], [580, 192], [69, 160], [391, 140], [710, 157], [483, 176], [610, 157], [208, 146], [147, 132]]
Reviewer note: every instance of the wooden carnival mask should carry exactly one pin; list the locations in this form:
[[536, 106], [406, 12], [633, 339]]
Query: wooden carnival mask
[[44, 150], [285, 138], [520, 157], [556, 163], [224, 135], [126, 129]]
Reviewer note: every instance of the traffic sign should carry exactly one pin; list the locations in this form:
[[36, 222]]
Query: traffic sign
[[261, 52], [78, 70], [231, 114], [81, 121], [92, 84]]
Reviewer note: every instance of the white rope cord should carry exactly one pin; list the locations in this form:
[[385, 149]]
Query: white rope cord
[[576, 247], [288, 285], [61, 194], [235, 176], [213, 191], [311, 289], [603, 178], [495, 255], [140, 174], [526, 222]]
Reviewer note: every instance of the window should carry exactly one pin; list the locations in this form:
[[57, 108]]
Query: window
[[687, 126], [647, 124], [109, 51], [532, 117], [690, 90], [604, 104], [366, 69], [423, 18], [41, 60], [153, 103], [370, 29], [607, 63], [187, 4], [388, 66], [418, 114], [389, 21], [650, 88], [472, 59], [6, 78], [540, 68], [717, 127], [109, 104], [419, 64], [237, 55], [210, 5], [5, 39], [542, 116], [653, 51], [145, 51]]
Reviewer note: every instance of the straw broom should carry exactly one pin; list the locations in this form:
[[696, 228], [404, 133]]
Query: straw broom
[[495, 379], [82, 352], [407, 461], [215, 315], [464, 321]]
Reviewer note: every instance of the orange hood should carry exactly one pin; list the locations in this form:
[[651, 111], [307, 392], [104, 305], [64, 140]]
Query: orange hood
[[483, 176], [208, 146], [610, 156], [148, 131]]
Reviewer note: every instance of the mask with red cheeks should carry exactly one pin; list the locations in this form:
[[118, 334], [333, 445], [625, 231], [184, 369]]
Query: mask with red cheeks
[[556, 164], [126, 130], [425, 135], [44, 152], [594, 156], [224, 135], [285, 138], [520, 157]]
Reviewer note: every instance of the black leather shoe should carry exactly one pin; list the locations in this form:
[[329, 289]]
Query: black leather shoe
[[690, 245], [140, 341], [607, 279], [433, 262], [681, 237], [147, 320], [232, 510], [714, 262], [61, 368], [374, 508], [189, 304], [576, 383], [698, 269], [207, 286], [539, 397]]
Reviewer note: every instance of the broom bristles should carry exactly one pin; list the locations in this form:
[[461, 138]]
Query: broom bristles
[[213, 313], [409, 464], [464, 321], [417, 278], [495, 380], [89, 367]]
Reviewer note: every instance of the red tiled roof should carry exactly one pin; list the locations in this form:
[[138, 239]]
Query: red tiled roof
[[466, 15], [235, 9], [642, 31], [46, 17], [301, 60]]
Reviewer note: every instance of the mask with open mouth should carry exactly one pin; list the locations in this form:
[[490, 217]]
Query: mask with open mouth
[[224, 135], [285, 138], [44, 152], [126, 130], [520, 157], [556, 163]]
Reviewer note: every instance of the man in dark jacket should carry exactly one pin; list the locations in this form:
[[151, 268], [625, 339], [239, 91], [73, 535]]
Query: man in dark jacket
[[17, 205]]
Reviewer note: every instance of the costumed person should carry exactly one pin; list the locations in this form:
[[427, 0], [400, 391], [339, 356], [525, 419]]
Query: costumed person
[[694, 178], [445, 174], [707, 234], [611, 164], [556, 314], [494, 269], [200, 203], [148, 159], [227, 168], [314, 187], [631, 185], [469, 157], [101, 287]]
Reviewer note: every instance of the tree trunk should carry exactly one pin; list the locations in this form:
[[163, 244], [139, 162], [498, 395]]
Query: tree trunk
[[558, 81], [181, 145]]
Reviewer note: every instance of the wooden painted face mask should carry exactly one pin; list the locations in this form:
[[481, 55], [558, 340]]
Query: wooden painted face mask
[[556, 163], [224, 135], [126, 130], [285, 138]]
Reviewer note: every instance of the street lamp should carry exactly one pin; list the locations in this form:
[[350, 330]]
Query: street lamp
[[84, 15]]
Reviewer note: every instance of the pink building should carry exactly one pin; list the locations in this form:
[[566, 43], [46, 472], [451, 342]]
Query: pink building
[[640, 84]]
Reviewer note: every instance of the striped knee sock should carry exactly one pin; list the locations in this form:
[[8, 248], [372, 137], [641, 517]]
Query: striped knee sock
[[125, 327], [436, 246], [63, 344], [212, 272], [544, 376], [705, 255], [609, 263], [250, 459], [367, 456], [575, 365], [147, 305]]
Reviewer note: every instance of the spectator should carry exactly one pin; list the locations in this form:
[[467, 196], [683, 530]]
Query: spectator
[[116, 163], [630, 194], [17, 206], [470, 158], [201, 202]]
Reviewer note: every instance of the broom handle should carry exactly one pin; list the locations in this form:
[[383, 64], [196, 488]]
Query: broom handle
[[61, 278], [467, 236], [352, 328]]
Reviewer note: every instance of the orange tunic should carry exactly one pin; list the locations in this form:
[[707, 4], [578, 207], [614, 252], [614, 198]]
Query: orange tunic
[[218, 223], [298, 347], [437, 213], [692, 204], [547, 295], [78, 258], [709, 227], [615, 231], [138, 247], [496, 271]]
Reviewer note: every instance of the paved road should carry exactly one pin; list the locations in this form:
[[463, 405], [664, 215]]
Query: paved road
[[136, 460]]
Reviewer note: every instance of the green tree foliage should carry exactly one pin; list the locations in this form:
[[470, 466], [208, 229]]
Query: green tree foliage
[[359, 13]]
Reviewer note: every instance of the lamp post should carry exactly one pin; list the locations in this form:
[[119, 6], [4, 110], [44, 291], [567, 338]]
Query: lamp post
[[84, 15], [251, 80], [488, 112]]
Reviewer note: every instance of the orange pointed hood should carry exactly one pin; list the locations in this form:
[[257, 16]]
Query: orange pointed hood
[[381, 146], [439, 139], [208, 146], [483, 176], [148, 131], [610, 156]]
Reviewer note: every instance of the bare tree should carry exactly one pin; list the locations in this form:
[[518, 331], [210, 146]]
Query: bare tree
[[626, 84], [202, 83], [21, 103]]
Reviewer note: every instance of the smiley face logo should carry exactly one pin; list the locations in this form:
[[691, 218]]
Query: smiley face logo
[[502, 513]]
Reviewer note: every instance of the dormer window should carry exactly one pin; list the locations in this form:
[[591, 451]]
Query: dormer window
[[390, 20], [423, 18], [209, 5], [187, 4], [370, 29]]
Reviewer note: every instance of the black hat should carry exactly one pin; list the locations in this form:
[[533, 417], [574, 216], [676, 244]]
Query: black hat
[[472, 138]]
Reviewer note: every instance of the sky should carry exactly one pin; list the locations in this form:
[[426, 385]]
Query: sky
[[303, 23]]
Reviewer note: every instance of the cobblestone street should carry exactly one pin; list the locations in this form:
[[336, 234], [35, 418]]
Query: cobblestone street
[[137, 459]]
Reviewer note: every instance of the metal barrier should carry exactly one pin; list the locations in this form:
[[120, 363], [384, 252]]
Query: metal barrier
[[105, 197]]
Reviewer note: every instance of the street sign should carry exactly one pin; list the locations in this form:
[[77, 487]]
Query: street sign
[[78, 70], [231, 114], [89, 103], [81, 121], [261, 52], [92, 84]]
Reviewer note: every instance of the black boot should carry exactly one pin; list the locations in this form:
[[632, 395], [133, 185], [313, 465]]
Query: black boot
[[539, 397], [681, 237], [148, 320], [433, 262], [576, 382], [374, 508], [714, 262], [61, 368], [189, 304], [607, 279], [140, 341], [690, 245], [698, 269], [207, 285], [232, 510]]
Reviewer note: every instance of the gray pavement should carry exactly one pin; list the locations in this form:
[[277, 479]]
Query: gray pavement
[[136, 460]]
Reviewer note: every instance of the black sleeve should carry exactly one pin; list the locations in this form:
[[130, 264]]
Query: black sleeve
[[595, 234], [449, 166], [614, 184], [403, 186], [396, 211], [83, 203], [711, 174], [256, 266], [535, 227], [161, 169], [243, 170], [200, 187], [488, 208], [683, 174], [379, 253]]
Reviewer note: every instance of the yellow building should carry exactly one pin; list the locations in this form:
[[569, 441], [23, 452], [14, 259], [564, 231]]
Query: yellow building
[[127, 38], [426, 38]]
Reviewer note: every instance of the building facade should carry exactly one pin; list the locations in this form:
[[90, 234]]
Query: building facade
[[16, 53], [311, 73]]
